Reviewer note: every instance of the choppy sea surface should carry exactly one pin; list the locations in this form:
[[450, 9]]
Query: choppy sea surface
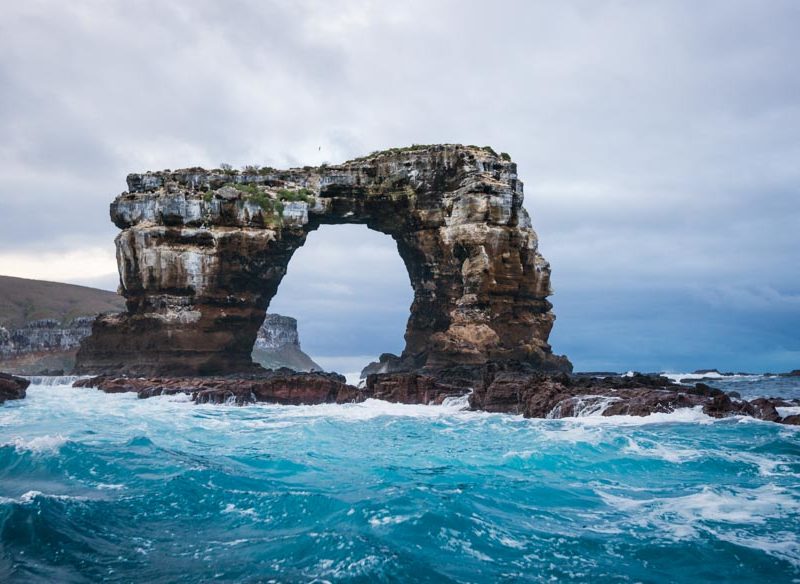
[[97, 487]]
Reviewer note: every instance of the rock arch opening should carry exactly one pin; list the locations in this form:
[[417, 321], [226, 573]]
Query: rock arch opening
[[201, 254], [350, 292]]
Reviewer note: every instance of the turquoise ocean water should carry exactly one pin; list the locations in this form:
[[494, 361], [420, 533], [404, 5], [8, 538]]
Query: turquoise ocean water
[[97, 487]]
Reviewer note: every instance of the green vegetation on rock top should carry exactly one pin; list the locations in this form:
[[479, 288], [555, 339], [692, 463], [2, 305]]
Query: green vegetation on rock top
[[294, 195], [402, 149]]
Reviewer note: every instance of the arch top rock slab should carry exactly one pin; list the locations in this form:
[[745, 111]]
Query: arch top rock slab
[[202, 252]]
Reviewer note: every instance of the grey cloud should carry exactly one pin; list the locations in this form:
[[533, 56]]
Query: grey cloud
[[657, 141], [350, 292]]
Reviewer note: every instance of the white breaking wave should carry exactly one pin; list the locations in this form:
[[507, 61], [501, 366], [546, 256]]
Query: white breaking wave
[[368, 409], [31, 496], [718, 512], [39, 444], [584, 406], [652, 449], [731, 505], [50, 380], [689, 415], [677, 377], [460, 402], [90, 402], [784, 411]]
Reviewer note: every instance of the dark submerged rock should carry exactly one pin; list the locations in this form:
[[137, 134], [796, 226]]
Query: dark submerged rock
[[12, 387]]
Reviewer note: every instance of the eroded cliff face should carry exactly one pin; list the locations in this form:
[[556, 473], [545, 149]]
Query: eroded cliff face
[[43, 346], [47, 346], [202, 253], [278, 345]]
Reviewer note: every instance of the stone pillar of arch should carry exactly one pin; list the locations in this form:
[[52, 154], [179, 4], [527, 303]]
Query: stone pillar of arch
[[201, 254]]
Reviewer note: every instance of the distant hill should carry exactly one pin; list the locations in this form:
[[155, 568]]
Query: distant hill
[[23, 300], [28, 347]]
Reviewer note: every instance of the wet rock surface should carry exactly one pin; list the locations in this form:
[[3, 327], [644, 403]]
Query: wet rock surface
[[412, 388], [537, 395], [202, 252], [279, 387], [12, 387], [501, 389]]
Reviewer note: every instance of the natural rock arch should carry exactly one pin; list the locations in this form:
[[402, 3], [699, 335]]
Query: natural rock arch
[[202, 253], [351, 292]]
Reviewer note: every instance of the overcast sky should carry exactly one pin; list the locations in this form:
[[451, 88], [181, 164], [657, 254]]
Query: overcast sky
[[659, 143]]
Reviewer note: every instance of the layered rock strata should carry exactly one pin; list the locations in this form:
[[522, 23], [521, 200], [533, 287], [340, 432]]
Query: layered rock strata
[[278, 345], [201, 254], [43, 346], [48, 346]]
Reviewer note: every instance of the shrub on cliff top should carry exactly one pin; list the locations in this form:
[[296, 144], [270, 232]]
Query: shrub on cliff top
[[247, 189], [263, 200], [298, 195]]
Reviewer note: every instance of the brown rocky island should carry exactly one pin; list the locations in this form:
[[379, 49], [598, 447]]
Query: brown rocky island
[[202, 252]]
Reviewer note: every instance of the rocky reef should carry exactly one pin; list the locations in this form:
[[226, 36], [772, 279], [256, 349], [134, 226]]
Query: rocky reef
[[201, 254], [12, 387], [280, 387], [513, 390], [535, 395]]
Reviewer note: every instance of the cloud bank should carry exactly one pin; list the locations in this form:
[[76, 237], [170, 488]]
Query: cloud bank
[[658, 144]]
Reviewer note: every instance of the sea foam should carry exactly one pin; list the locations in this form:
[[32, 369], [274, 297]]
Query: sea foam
[[155, 489]]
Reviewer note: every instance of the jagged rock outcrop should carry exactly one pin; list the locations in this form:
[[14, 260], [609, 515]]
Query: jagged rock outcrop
[[12, 387], [537, 395], [412, 388], [514, 390], [386, 363], [278, 345], [279, 387], [201, 254]]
